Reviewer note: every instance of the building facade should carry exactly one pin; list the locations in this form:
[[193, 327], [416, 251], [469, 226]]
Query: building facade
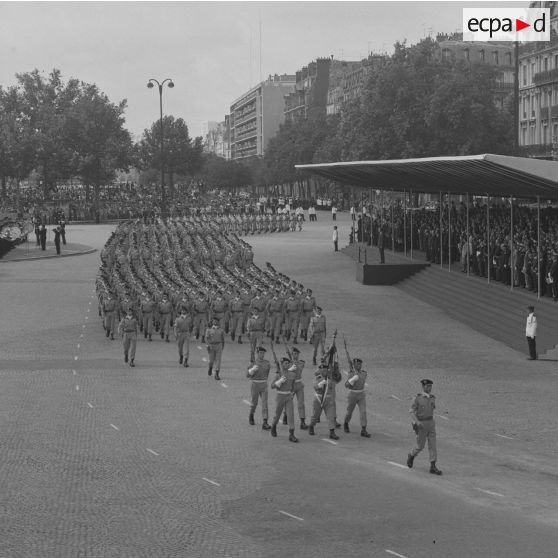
[[255, 117], [216, 138], [538, 93]]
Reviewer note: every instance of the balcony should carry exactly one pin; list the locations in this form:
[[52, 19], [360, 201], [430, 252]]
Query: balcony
[[548, 76]]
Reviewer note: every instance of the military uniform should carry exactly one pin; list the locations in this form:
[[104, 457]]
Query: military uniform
[[258, 374], [255, 327], [275, 313], [422, 411], [236, 309], [356, 396], [307, 306], [215, 339], [284, 384], [109, 313], [292, 312], [199, 311], [318, 332], [128, 328], [324, 400], [165, 313], [182, 329], [218, 309]]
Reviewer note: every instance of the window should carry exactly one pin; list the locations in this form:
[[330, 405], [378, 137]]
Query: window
[[545, 64], [481, 55], [466, 54], [508, 58], [532, 70], [495, 57], [556, 60], [524, 74]]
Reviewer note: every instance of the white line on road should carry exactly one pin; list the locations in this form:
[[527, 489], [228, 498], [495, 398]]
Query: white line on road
[[204, 359], [78, 345], [246, 401], [90, 405], [224, 385], [395, 553], [441, 416], [398, 465], [83, 325], [291, 515], [86, 317], [76, 357], [211, 482], [89, 309], [81, 335], [114, 426], [77, 388], [395, 397], [506, 437], [74, 372], [330, 441], [490, 492], [199, 348], [151, 451]]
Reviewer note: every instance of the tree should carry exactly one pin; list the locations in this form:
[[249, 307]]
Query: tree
[[181, 155]]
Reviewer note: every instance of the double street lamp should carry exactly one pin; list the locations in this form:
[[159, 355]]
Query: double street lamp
[[151, 83]]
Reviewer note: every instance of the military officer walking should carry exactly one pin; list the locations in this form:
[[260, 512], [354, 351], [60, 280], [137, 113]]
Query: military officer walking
[[128, 329], [356, 395], [324, 399], [236, 309], [147, 306], [109, 312], [182, 327], [215, 339], [255, 328], [165, 312], [318, 332], [258, 374], [284, 383], [422, 411]]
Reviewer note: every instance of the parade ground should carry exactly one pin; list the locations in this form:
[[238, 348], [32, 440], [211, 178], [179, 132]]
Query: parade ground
[[101, 460]]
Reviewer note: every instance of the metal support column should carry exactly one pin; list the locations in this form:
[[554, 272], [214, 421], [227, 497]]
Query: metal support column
[[488, 237], [538, 247], [467, 237]]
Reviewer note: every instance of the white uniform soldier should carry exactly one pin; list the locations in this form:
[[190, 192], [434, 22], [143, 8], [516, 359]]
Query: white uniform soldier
[[258, 374], [422, 411]]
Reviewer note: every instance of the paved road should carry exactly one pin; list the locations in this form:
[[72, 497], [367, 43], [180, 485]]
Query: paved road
[[101, 460]]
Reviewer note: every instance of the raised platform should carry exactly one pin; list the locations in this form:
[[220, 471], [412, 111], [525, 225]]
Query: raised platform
[[386, 274]]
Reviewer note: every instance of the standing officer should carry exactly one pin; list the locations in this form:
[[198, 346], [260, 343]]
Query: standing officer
[[57, 239], [128, 329], [422, 411], [317, 332], [109, 312], [258, 374], [255, 327], [147, 305], [215, 338], [531, 333], [42, 236], [182, 327], [165, 311], [356, 395], [284, 383], [382, 244]]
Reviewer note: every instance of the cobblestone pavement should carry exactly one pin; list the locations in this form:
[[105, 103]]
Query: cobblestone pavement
[[102, 460]]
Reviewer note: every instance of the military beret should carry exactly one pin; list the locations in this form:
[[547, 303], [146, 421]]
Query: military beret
[[426, 382], [319, 308], [285, 359], [262, 349], [295, 350], [357, 360]]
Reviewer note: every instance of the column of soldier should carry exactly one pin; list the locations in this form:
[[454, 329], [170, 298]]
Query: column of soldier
[[259, 223], [187, 276]]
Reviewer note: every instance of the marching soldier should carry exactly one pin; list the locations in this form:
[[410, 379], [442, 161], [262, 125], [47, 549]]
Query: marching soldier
[[275, 313], [258, 374], [218, 309], [255, 327], [422, 411], [128, 329], [147, 306], [298, 389], [165, 312], [215, 338], [356, 394], [236, 310], [308, 305], [182, 328], [317, 332], [109, 312], [284, 383], [199, 311], [292, 311]]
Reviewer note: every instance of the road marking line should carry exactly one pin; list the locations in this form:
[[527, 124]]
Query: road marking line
[[90, 404], [76, 357], [490, 492], [204, 359], [395, 397], [224, 385], [83, 325], [77, 388], [86, 317], [291, 515], [394, 553], [330, 441], [211, 482], [246, 401], [199, 348], [506, 437], [114, 426], [441, 416], [151, 451], [89, 309], [81, 335], [78, 345], [398, 465], [74, 372]]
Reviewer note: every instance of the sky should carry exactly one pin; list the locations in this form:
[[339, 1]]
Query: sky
[[213, 51]]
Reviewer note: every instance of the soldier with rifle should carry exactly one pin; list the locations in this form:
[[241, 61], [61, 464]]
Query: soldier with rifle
[[356, 395], [258, 374], [326, 378], [298, 390], [284, 384]]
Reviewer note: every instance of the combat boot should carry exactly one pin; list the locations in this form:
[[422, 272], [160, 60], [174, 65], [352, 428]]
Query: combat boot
[[150, 337], [410, 460], [303, 425], [274, 430], [314, 360], [210, 371], [132, 362], [337, 425], [232, 336], [167, 339], [240, 339], [125, 357], [364, 433], [332, 435], [181, 359], [108, 333], [295, 342], [251, 419], [145, 334], [346, 427], [292, 437], [433, 469], [112, 336], [265, 426], [217, 375], [285, 419], [203, 339], [186, 363], [311, 430]]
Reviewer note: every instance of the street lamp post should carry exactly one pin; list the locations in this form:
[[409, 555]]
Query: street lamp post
[[151, 83]]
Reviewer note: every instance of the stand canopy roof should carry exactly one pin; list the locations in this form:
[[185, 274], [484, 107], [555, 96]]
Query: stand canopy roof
[[495, 175]]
